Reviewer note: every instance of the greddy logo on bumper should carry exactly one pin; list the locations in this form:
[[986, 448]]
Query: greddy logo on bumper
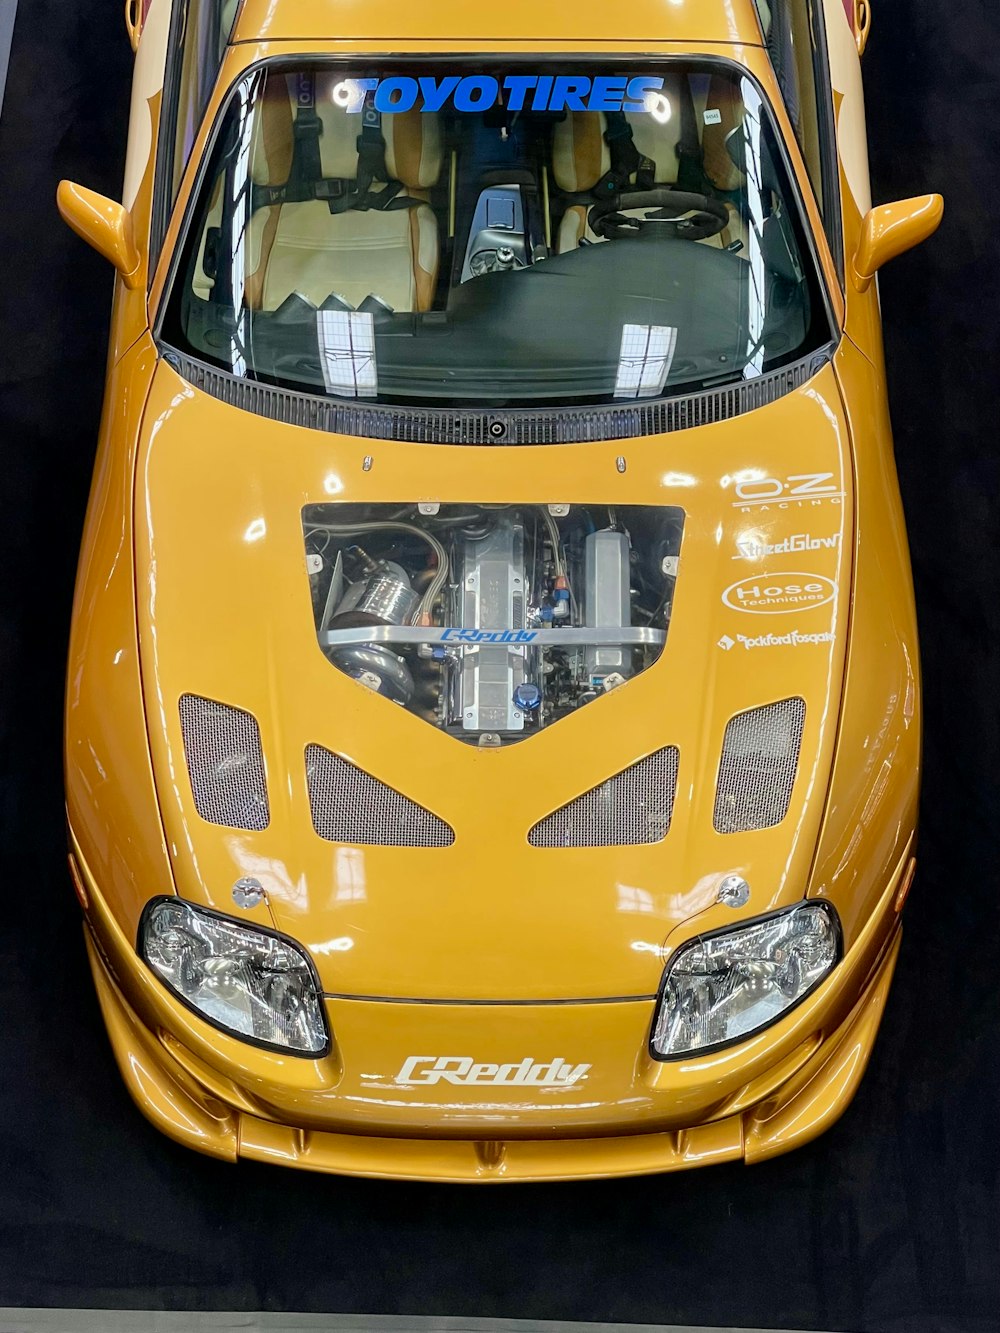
[[522, 92], [790, 640], [463, 1070]]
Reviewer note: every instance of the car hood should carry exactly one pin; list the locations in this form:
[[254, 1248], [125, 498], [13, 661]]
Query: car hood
[[224, 612]]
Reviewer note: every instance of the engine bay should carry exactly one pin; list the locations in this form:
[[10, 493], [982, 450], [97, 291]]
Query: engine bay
[[492, 621]]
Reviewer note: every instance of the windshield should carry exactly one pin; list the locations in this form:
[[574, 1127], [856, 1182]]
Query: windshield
[[472, 234]]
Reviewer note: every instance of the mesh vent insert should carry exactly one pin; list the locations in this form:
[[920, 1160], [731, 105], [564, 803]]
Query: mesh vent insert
[[630, 809], [349, 805], [225, 763], [760, 757]]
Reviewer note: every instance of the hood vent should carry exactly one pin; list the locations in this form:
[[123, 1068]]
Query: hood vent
[[349, 805], [760, 757], [225, 763], [631, 809]]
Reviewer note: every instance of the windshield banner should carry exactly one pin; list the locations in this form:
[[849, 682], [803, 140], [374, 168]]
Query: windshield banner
[[479, 92]]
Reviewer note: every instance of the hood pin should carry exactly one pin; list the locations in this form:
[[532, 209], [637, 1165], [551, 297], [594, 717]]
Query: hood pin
[[734, 891], [248, 893]]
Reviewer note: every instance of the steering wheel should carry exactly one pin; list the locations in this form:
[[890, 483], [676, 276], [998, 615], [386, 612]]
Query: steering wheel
[[707, 216]]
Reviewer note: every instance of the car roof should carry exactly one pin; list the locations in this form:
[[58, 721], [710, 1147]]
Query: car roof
[[689, 21]]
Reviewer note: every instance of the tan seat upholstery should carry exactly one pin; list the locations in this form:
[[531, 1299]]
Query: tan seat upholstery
[[304, 248], [581, 156]]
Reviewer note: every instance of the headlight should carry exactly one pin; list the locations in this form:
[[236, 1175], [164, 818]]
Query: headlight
[[721, 988], [257, 985]]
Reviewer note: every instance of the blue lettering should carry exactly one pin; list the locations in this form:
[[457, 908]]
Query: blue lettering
[[607, 94], [569, 94], [479, 92], [489, 635], [638, 88], [396, 95], [542, 93], [350, 94], [476, 93], [436, 94], [518, 85]]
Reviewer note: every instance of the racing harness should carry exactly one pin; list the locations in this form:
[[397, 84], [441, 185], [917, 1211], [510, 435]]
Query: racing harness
[[628, 163], [307, 182]]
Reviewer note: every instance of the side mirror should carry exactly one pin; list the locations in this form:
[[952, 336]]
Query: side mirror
[[135, 12], [890, 230], [861, 24], [102, 223]]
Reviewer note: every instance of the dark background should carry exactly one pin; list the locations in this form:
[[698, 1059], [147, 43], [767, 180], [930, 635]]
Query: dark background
[[889, 1222]]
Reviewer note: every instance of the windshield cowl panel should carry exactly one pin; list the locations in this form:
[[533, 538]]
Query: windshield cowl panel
[[456, 233]]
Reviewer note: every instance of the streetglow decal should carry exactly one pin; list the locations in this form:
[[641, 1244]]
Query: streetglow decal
[[523, 92], [755, 548]]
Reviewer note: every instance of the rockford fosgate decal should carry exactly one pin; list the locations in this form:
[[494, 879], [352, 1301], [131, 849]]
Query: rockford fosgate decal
[[780, 594], [463, 1071], [522, 92], [750, 548], [805, 488], [790, 640]]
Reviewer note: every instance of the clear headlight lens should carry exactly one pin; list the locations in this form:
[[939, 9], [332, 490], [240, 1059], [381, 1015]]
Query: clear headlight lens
[[721, 988], [256, 985]]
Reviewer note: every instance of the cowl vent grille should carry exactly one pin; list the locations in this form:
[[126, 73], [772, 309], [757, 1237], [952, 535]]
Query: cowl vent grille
[[225, 763], [561, 425], [349, 805], [632, 808], [760, 757]]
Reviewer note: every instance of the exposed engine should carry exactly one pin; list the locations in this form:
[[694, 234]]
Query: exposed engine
[[492, 621]]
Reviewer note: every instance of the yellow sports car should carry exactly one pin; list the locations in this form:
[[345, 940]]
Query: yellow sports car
[[493, 717]]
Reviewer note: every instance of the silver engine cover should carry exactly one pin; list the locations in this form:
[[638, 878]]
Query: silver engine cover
[[491, 596]]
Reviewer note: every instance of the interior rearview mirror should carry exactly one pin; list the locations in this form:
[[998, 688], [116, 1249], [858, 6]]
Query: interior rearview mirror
[[102, 223], [892, 228]]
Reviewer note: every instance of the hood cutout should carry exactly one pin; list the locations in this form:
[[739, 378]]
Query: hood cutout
[[492, 622]]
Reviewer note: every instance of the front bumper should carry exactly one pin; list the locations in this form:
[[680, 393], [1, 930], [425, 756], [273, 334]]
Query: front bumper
[[203, 1113], [633, 1115]]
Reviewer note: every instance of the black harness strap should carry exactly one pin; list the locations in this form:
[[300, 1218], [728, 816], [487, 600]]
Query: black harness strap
[[371, 150], [626, 160], [690, 170], [308, 163]]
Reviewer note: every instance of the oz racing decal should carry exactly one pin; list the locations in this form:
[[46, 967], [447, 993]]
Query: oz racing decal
[[791, 640], [780, 594], [522, 92], [805, 488], [462, 1070]]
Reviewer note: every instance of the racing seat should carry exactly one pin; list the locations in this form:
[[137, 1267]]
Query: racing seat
[[318, 248], [581, 154]]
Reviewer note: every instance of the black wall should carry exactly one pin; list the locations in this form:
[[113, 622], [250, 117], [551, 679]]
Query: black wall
[[889, 1222]]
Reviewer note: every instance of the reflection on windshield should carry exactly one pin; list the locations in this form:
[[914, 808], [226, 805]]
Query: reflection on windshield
[[496, 237]]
